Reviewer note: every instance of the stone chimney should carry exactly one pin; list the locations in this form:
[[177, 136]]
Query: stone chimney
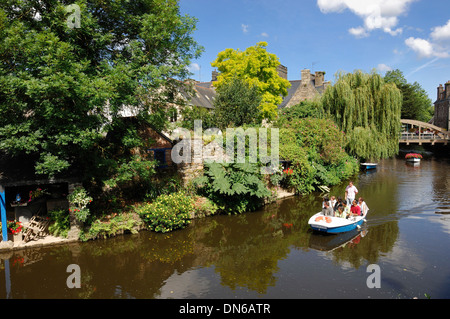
[[447, 90], [440, 90], [319, 78], [282, 71], [306, 77], [214, 75]]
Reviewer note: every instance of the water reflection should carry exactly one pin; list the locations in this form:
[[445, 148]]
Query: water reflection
[[245, 255]]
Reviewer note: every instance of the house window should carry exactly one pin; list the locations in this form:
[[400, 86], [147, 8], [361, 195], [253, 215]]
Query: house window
[[159, 155]]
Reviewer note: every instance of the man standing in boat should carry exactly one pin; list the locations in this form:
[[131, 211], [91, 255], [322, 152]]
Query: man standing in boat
[[350, 193]]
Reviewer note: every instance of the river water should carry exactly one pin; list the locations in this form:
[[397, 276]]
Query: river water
[[271, 253]]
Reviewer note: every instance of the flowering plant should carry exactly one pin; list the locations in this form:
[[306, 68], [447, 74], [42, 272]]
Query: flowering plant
[[14, 227], [288, 171], [37, 193], [413, 155], [79, 200]]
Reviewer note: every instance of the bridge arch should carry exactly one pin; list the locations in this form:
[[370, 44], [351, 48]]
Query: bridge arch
[[420, 132]]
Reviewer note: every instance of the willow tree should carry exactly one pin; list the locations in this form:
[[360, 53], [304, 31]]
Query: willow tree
[[368, 110]]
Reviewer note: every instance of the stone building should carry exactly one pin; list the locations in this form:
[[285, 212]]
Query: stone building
[[442, 107], [307, 88]]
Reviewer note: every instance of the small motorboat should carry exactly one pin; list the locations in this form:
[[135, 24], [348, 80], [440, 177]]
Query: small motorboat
[[369, 165], [335, 225]]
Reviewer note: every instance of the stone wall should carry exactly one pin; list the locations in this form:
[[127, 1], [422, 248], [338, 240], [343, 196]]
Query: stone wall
[[442, 107], [200, 153]]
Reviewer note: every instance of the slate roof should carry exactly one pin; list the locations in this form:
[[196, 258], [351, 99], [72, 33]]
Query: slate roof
[[203, 95], [291, 91]]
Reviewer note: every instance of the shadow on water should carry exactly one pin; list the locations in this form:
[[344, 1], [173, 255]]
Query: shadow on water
[[228, 256]]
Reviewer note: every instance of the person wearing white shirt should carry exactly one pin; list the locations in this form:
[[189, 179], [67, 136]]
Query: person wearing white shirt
[[350, 192]]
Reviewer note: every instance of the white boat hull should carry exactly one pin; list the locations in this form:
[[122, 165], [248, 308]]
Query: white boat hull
[[334, 225]]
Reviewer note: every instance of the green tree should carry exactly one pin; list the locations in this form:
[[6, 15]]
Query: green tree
[[302, 110], [63, 87], [237, 103], [416, 103], [257, 67], [368, 110]]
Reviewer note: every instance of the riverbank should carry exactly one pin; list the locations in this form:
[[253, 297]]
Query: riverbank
[[50, 240]]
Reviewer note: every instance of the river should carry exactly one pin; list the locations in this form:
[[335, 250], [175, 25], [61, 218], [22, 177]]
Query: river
[[271, 253]]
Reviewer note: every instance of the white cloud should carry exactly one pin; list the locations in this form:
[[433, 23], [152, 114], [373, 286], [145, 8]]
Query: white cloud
[[194, 67], [359, 32], [383, 67], [422, 47], [245, 28], [441, 33], [265, 35], [438, 45], [376, 14]]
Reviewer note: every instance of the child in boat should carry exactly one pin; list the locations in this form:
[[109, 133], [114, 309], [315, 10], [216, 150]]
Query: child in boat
[[346, 208]]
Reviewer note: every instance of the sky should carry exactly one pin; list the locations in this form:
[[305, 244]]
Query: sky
[[330, 35]]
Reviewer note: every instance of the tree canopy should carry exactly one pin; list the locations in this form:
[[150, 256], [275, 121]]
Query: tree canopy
[[62, 87], [416, 104], [257, 67], [368, 110], [237, 103]]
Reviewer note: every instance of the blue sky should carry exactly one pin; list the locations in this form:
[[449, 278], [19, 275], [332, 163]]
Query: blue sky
[[330, 35]]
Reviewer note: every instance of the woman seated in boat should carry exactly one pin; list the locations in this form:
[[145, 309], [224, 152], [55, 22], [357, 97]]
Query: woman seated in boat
[[364, 208], [338, 203], [355, 210], [346, 208], [340, 212]]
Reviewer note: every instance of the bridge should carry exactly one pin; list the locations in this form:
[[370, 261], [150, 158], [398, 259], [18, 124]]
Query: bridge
[[417, 132]]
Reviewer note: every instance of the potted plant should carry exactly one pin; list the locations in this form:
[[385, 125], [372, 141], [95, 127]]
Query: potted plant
[[413, 157], [15, 228]]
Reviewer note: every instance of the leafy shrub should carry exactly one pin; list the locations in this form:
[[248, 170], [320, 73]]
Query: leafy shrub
[[60, 224], [112, 226], [316, 150], [79, 201], [234, 187], [168, 212]]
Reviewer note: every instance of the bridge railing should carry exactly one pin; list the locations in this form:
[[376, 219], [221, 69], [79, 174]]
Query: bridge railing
[[420, 136]]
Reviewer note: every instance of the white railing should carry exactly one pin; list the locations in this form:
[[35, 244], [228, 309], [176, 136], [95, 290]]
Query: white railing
[[420, 136]]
